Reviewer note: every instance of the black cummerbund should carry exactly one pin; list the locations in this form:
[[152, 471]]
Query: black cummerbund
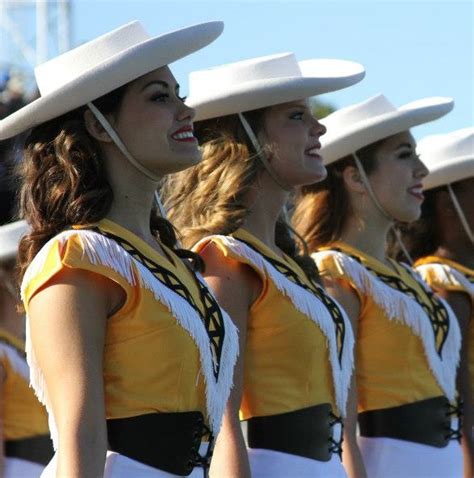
[[307, 432], [167, 441], [38, 449], [426, 421]]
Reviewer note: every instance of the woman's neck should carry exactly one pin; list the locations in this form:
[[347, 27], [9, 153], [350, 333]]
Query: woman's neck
[[369, 236], [265, 204]]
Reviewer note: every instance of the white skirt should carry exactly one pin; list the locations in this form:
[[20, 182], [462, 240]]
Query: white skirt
[[120, 466], [17, 468], [275, 464], [390, 458]]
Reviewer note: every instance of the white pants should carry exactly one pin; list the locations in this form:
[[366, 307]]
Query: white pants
[[275, 464], [390, 458], [120, 466], [17, 468]]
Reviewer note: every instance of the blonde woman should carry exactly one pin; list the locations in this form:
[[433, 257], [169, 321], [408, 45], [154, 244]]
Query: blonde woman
[[260, 141], [128, 349], [25, 443], [407, 340], [442, 244]]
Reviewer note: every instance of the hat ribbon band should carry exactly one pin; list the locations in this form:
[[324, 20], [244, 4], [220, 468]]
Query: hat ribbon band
[[460, 212], [261, 154], [123, 149], [368, 186]]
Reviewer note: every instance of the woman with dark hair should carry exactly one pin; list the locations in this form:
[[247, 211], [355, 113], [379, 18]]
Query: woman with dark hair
[[407, 340], [260, 141], [128, 349], [25, 445], [442, 244]]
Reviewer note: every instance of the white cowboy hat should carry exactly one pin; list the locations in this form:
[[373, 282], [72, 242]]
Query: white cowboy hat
[[10, 235], [266, 81], [353, 127], [449, 157], [100, 66]]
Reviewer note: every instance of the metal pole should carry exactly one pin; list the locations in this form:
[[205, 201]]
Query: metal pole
[[64, 25], [41, 31]]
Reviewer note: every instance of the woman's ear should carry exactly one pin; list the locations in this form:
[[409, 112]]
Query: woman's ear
[[353, 180], [94, 128]]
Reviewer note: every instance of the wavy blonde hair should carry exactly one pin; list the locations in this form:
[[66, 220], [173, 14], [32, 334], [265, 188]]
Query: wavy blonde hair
[[210, 198]]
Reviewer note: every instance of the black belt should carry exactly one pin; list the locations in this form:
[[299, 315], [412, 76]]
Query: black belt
[[38, 449], [167, 441], [307, 432], [426, 421]]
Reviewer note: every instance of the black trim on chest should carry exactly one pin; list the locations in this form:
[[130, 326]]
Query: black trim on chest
[[212, 318], [331, 306]]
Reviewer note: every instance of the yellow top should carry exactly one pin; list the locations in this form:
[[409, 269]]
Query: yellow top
[[443, 274], [299, 342], [408, 341], [159, 354], [22, 415]]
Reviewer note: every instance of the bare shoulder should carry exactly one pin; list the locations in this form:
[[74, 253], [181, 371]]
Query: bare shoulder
[[345, 294], [231, 280], [77, 288]]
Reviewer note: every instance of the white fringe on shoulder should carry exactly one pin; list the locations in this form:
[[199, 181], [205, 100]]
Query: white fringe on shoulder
[[15, 359], [401, 307], [308, 304], [446, 275], [103, 251]]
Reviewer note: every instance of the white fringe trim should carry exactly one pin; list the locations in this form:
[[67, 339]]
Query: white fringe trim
[[101, 250], [402, 308], [15, 359], [308, 304], [446, 275]]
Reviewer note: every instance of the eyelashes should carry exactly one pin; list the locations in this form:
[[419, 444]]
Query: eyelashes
[[161, 97]]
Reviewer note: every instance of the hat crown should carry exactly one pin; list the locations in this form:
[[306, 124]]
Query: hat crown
[[282, 65], [351, 115], [53, 74], [438, 148]]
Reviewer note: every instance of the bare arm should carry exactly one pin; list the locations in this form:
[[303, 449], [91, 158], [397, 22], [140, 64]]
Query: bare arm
[[235, 286], [461, 304], [68, 320], [351, 456]]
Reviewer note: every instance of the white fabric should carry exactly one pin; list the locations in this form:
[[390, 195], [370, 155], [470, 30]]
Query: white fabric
[[10, 235], [390, 458], [265, 81], [100, 66], [449, 157], [275, 464], [120, 466], [353, 127], [17, 468]]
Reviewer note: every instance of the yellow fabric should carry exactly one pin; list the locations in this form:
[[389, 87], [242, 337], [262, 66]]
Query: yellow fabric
[[391, 366], [22, 415], [286, 359], [437, 284], [151, 363]]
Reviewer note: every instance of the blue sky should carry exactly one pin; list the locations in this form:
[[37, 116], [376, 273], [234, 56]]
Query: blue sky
[[410, 49]]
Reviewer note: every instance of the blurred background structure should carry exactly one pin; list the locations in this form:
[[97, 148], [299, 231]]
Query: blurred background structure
[[410, 48]]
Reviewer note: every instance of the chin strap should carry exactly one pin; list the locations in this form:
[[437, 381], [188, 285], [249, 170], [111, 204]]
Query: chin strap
[[123, 149], [119, 143], [460, 212], [372, 195], [261, 154]]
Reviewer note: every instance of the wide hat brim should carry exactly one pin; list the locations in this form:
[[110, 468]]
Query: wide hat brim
[[262, 93], [113, 73], [449, 171], [338, 143], [10, 235]]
